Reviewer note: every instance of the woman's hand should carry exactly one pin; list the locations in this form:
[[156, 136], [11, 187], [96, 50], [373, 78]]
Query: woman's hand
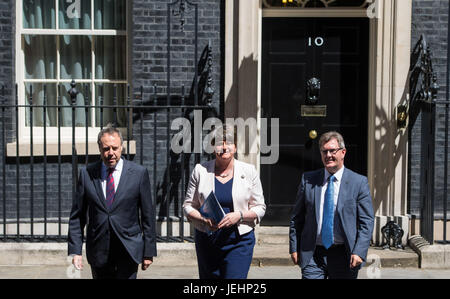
[[230, 219], [212, 226]]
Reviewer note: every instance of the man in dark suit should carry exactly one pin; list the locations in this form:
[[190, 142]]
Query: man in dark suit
[[332, 222], [114, 199]]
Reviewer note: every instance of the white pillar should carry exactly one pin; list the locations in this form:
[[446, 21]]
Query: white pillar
[[388, 147], [242, 86]]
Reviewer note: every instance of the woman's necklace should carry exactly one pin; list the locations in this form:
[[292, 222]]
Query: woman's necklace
[[224, 175]]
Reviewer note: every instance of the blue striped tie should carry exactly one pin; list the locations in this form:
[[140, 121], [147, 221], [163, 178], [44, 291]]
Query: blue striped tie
[[110, 187], [328, 215]]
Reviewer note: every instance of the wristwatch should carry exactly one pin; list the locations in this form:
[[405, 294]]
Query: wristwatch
[[242, 217]]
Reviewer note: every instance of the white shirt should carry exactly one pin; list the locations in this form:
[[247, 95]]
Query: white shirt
[[338, 238], [116, 175]]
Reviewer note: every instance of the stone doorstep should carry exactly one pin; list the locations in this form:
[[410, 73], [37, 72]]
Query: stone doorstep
[[183, 254], [430, 256]]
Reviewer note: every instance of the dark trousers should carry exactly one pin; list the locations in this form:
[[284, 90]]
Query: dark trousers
[[331, 263], [120, 264], [225, 254]]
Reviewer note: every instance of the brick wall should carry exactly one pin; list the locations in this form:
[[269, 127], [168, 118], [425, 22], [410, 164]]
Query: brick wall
[[149, 67], [430, 17], [7, 43]]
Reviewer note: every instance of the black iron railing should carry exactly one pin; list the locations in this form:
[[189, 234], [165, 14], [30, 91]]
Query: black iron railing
[[28, 207], [424, 102], [38, 189]]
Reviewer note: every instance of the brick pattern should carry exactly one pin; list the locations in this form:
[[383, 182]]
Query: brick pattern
[[7, 56], [149, 68], [430, 17]]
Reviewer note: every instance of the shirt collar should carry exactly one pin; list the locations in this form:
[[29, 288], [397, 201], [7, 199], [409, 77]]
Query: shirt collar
[[337, 175], [118, 167]]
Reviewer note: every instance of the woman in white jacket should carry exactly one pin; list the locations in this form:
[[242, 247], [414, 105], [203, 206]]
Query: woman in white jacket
[[228, 251]]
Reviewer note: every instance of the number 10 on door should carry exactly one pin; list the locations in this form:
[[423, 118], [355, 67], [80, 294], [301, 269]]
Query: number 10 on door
[[318, 41]]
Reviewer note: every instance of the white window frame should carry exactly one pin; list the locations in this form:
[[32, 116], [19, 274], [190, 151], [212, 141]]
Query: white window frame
[[66, 132]]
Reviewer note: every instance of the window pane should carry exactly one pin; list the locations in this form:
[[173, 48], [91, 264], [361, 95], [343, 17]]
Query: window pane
[[110, 57], [40, 56], [84, 93], [39, 14], [110, 14], [110, 95], [75, 14], [38, 91], [75, 57]]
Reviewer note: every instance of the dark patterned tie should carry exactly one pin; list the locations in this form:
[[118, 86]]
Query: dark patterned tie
[[110, 187]]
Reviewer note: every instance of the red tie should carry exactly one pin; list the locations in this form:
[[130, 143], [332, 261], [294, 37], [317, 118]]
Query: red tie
[[110, 187]]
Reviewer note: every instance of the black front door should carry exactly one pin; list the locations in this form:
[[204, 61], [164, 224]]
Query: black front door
[[314, 80]]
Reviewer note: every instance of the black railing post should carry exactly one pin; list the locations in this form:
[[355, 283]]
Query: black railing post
[[73, 96], [17, 168], [183, 177], [141, 123], [86, 112], [44, 116], [115, 103], [101, 106], [155, 150], [128, 122], [427, 170], [31, 164], [4, 161], [59, 104]]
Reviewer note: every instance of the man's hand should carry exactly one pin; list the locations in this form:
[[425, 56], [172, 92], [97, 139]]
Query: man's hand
[[146, 263], [355, 261], [77, 261], [294, 258]]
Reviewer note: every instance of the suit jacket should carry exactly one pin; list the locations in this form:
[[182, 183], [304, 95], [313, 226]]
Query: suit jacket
[[354, 209], [247, 191], [131, 215]]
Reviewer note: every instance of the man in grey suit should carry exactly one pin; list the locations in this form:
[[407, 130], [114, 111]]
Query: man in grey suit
[[332, 222], [114, 200]]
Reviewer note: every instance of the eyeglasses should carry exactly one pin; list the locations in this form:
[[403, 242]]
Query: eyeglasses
[[331, 151]]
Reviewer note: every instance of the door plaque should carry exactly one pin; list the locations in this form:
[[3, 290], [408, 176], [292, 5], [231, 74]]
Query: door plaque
[[314, 110]]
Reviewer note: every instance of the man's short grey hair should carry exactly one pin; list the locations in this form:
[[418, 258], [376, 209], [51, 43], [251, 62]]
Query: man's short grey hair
[[109, 129], [331, 135]]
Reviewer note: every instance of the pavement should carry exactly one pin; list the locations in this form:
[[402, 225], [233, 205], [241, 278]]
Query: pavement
[[271, 260], [178, 261], [191, 272]]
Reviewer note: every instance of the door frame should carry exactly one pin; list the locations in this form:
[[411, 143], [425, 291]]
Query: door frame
[[390, 45], [307, 158]]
